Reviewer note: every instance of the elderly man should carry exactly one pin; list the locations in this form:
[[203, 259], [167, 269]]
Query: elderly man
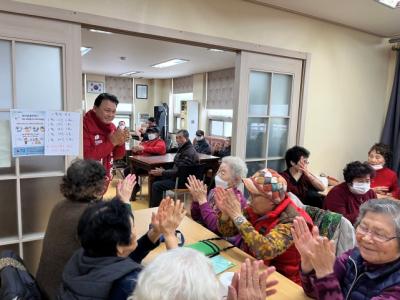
[[186, 156], [102, 141]]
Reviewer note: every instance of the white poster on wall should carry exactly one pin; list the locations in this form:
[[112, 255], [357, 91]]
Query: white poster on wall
[[62, 133], [27, 132], [5, 144]]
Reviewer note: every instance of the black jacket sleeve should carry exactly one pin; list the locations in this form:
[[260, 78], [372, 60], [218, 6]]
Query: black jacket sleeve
[[143, 248]]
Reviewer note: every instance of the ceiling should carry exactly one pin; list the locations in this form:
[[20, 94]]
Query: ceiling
[[141, 53], [365, 15]]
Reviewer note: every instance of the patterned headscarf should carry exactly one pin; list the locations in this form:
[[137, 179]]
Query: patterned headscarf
[[269, 183]]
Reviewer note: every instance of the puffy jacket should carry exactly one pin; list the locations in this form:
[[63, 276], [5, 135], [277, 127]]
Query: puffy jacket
[[186, 156], [153, 147], [202, 146]]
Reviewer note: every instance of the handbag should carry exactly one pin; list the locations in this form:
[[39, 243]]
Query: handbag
[[208, 248]]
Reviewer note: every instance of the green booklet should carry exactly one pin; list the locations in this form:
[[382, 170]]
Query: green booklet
[[220, 264]]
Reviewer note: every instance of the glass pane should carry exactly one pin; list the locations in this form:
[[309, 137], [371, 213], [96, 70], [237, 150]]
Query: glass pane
[[12, 247], [8, 213], [278, 165], [217, 128], [29, 164], [228, 129], [7, 162], [256, 143], [32, 251], [259, 89], [38, 197], [281, 94], [125, 118], [278, 133], [38, 77], [5, 74], [254, 166]]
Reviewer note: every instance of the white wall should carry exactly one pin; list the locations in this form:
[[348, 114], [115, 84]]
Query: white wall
[[348, 83]]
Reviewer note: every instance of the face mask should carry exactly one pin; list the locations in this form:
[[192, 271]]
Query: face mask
[[376, 167], [151, 136], [219, 182], [198, 138], [359, 188]]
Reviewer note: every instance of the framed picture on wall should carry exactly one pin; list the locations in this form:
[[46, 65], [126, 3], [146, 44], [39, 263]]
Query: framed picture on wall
[[141, 91], [95, 87]]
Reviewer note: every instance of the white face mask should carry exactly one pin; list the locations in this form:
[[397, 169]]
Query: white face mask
[[151, 136], [360, 188], [377, 167], [199, 138], [219, 182]]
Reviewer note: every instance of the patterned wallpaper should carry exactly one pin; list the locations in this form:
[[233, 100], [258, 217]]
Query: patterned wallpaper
[[183, 84], [120, 87], [220, 89]]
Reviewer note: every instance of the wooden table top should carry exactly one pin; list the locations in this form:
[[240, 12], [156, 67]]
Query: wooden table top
[[194, 232], [166, 158]]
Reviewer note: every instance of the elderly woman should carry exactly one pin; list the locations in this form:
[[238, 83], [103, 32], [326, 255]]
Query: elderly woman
[[369, 271], [175, 275], [385, 180], [346, 198], [204, 209], [82, 185], [265, 223]]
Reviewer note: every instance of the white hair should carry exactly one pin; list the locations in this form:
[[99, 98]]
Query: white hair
[[237, 165], [179, 274]]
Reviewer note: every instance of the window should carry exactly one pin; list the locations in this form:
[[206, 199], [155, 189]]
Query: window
[[220, 122], [125, 118]]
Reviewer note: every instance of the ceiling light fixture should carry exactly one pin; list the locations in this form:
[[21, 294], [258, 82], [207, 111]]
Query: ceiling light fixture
[[85, 50], [170, 63], [100, 31], [215, 50], [390, 3], [130, 73]]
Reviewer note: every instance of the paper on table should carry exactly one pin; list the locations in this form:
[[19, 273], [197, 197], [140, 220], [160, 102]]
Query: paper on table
[[221, 264], [5, 144]]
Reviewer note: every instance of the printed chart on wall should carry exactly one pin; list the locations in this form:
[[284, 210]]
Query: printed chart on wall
[[44, 133]]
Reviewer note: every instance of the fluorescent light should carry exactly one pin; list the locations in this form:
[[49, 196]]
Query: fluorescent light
[[100, 31], [85, 50], [170, 63], [130, 73], [215, 50], [390, 3]]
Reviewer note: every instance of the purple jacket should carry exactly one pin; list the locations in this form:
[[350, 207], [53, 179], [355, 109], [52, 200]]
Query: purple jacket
[[353, 278], [207, 214]]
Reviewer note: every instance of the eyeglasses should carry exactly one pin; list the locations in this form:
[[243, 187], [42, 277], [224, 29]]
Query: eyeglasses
[[379, 238]]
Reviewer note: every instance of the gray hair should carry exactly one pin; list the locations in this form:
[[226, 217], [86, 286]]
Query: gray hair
[[237, 165], [181, 274], [388, 207]]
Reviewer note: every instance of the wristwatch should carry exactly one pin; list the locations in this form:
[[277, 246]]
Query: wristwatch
[[239, 220]]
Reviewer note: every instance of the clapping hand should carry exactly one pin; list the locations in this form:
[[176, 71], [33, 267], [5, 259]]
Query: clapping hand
[[250, 284], [118, 137], [323, 258], [227, 202], [125, 187], [198, 189]]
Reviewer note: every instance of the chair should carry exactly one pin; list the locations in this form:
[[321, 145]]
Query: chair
[[181, 179]]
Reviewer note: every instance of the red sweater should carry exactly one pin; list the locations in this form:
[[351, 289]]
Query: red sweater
[[96, 144], [387, 178], [341, 200], [154, 147]]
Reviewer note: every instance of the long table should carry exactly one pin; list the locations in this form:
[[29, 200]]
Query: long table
[[194, 232], [167, 161]]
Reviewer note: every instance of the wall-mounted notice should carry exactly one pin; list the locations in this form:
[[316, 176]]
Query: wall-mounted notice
[[62, 133], [27, 132]]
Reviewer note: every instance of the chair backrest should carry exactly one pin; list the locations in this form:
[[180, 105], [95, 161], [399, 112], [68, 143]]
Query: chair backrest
[[185, 171]]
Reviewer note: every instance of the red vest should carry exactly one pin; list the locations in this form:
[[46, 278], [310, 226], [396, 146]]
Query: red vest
[[288, 263]]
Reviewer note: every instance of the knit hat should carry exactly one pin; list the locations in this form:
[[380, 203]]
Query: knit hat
[[267, 181]]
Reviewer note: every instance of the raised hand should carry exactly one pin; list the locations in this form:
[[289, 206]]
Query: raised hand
[[125, 187], [198, 189], [305, 242], [323, 257], [227, 202], [250, 284], [118, 137]]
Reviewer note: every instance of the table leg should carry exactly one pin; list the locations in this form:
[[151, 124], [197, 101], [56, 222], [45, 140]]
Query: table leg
[[151, 180]]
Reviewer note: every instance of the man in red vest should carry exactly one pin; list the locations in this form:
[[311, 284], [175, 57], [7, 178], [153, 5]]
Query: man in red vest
[[265, 223], [102, 141]]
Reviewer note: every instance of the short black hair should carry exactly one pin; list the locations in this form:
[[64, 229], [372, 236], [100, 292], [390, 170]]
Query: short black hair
[[105, 96], [152, 130], [383, 150], [151, 119], [103, 226], [184, 132], [357, 169], [83, 181], [294, 154], [200, 132]]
